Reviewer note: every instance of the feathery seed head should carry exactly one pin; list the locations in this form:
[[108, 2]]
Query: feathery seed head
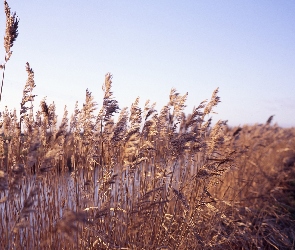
[[27, 92], [11, 31], [107, 86], [213, 102]]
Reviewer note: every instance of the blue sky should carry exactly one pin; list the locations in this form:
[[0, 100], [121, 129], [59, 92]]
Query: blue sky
[[246, 48]]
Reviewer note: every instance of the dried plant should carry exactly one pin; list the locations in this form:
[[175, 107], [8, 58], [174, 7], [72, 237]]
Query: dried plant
[[11, 33], [27, 94], [146, 180]]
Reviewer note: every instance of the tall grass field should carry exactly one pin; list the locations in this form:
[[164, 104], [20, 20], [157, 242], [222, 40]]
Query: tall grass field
[[149, 179]]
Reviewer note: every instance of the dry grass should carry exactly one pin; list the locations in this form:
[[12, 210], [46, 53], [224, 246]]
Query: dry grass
[[150, 180]]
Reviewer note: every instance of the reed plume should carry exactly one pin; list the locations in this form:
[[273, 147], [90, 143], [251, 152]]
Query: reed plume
[[11, 33]]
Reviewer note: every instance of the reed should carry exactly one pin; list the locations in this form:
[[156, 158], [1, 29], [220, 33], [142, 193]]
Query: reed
[[148, 180]]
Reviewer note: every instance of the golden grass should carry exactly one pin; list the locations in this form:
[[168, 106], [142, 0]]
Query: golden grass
[[150, 180]]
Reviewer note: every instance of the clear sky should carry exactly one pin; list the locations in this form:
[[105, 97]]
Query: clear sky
[[246, 48]]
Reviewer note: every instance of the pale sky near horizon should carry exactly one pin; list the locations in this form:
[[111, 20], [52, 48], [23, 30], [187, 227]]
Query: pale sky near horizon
[[246, 48]]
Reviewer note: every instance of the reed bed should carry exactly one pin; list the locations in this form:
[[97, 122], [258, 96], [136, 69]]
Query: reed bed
[[147, 180]]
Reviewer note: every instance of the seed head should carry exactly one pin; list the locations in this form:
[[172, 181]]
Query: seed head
[[11, 31]]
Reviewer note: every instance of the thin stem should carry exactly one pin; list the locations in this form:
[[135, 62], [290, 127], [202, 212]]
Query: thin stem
[[3, 74]]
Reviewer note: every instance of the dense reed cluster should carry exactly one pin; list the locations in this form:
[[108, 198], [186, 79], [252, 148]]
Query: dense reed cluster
[[146, 180]]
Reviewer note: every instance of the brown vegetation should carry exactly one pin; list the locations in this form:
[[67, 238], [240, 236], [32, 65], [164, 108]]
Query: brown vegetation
[[149, 180]]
